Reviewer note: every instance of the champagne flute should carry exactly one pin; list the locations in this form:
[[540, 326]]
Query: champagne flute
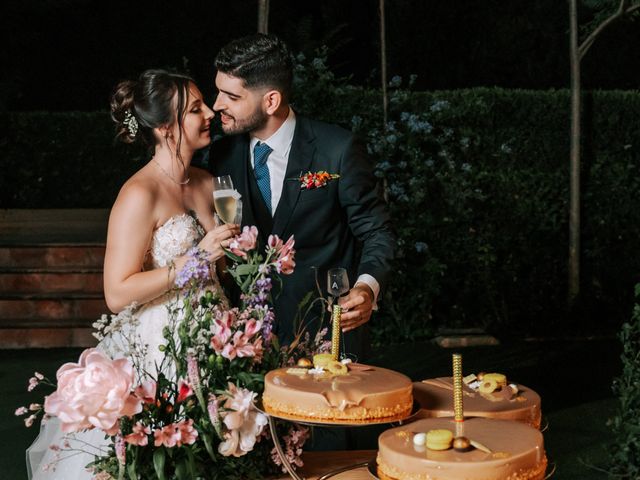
[[238, 218], [337, 285], [225, 198], [337, 282]]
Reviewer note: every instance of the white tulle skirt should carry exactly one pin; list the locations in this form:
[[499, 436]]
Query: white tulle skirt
[[55, 455]]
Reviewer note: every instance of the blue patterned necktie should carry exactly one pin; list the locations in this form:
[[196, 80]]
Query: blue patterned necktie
[[260, 154]]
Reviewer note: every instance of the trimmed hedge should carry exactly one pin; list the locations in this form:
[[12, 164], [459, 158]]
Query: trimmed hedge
[[62, 160], [624, 452], [478, 186]]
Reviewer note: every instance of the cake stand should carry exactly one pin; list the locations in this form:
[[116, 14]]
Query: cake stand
[[276, 441]]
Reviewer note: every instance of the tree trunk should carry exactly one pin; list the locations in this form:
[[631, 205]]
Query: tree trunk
[[383, 65], [574, 206], [263, 16]]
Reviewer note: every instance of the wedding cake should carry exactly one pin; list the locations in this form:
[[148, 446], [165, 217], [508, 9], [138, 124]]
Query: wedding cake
[[490, 450], [352, 393], [508, 402]]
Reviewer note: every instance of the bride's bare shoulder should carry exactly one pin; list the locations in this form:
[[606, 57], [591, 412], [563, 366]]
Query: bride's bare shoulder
[[138, 195]]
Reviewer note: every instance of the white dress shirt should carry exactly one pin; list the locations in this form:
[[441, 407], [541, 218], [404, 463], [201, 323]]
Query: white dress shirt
[[280, 144]]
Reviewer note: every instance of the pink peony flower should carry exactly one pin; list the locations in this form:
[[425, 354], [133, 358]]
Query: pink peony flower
[[244, 242], [146, 391], [243, 421], [167, 436], [95, 392], [188, 434], [139, 436], [184, 390]]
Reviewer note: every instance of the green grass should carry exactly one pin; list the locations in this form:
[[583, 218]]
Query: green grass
[[573, 377]]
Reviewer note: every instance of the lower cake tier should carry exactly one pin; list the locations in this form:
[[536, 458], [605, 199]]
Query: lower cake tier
[[361, 396], [517, 452], [435, 397]]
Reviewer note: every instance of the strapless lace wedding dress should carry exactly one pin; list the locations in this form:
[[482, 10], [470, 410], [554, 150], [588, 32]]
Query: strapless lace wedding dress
[[44, 461]]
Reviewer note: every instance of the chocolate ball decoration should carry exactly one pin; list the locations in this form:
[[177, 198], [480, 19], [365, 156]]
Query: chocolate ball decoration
[[461, 444], [305, 363]]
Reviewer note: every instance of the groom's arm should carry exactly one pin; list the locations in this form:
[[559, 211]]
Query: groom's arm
[[367, 214]]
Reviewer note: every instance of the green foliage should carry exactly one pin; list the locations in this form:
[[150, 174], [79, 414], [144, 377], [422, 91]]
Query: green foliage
[[478, 186], [625, 453]]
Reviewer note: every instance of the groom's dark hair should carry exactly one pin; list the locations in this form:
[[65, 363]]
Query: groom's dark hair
[[260, 60]]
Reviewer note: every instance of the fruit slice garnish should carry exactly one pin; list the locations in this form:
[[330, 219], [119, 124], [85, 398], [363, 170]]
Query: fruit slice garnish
[[488, 386], [321, 360], [337, 368]]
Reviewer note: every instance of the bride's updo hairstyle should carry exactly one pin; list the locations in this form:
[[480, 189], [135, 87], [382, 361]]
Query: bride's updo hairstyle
[[158, 98]]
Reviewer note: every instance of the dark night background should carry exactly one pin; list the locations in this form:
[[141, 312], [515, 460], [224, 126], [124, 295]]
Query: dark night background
[[68, 54]]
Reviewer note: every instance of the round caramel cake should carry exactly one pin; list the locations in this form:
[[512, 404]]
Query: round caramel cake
[[435, 397], [363, 395], [517, 452]]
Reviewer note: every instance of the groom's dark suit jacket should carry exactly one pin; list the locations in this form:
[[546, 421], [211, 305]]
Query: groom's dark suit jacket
[[344, 224]]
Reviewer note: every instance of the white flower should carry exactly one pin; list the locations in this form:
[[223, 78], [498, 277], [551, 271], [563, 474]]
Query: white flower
[[242, 419]]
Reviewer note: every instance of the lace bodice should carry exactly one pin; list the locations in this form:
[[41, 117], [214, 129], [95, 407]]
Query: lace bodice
[[172, 239]]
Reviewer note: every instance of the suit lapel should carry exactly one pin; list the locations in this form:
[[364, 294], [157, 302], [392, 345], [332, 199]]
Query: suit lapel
[[300, 160], [243, 172]]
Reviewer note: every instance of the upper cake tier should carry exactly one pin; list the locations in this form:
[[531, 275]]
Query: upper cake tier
[[363, 395], [435, 397]]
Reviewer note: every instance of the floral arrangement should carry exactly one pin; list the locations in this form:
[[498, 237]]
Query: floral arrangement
[[319, 179], [193, 413]]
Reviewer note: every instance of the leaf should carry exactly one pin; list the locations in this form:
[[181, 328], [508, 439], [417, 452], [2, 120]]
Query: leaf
[[181, 470], [131, 471], [246, 269], [233, 256], [191, 463], [158, 463], [207, 445]]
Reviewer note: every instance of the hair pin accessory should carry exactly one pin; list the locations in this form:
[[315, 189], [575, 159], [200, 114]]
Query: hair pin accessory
[[131, 123]]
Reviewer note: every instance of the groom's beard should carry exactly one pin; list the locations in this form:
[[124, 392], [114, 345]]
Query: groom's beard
[[253, 122]]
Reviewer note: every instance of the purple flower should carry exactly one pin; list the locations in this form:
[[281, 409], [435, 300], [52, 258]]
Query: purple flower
[[264, 284], [196, 269]]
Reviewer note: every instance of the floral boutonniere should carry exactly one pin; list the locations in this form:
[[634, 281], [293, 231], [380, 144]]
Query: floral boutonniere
[[316, 179]]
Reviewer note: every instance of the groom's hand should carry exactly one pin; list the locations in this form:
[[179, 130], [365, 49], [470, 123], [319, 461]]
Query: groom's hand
[[356, 307]]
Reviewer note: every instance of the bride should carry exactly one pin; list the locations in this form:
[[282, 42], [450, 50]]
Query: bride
[[161, 212]]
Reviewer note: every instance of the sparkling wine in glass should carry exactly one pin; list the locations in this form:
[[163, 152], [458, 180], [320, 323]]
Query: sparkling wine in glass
[[226, 199], [238, 218]]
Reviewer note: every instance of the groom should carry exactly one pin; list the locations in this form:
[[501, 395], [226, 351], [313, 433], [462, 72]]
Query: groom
[[267, 147]]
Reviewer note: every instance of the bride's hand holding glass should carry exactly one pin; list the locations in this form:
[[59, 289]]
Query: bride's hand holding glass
[[217, 239]]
